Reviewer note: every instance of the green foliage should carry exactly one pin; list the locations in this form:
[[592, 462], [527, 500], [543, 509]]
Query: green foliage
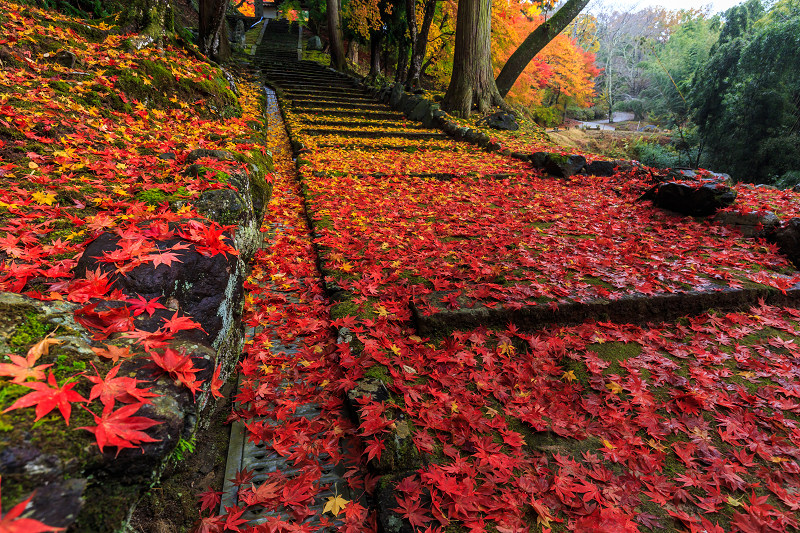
[[183, 449], [745, 101]]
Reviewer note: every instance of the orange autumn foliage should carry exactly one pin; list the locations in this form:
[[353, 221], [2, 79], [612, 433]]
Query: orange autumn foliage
[[562, 66]]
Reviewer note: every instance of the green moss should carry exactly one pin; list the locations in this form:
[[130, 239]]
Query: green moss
[[60, 86], [614, 352], [379, 372], [29, 332]]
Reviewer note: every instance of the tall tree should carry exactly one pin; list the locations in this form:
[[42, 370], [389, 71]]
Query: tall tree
[[419, 39], [213, 36], [472, 82], [336, 41], [534, 43]]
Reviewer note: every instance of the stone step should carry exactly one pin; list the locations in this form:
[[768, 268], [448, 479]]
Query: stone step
[[338, 104], [287, 84], [322, 80], [440, 176], [374, 115], [364, 114], [634, 309], [319, 122], [351, 133], [329, 94], [379, 147]]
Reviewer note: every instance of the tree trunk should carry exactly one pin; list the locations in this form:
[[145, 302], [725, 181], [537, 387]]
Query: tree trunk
[[533, 44], [472, 82], [403, 49], [419, 42], [213, 30], [374, 55], [151, 19], [336, 41]]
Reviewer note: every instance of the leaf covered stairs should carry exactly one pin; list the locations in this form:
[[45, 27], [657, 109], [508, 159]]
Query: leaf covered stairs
[[502, 337]]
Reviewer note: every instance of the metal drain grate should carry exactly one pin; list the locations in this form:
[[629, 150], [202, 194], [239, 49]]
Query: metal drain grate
[[243, 453]]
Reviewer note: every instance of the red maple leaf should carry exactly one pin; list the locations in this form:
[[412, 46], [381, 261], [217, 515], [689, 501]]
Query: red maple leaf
[[48, 396], [176, 323], [140, 305], [233, 518], [208, 524], [209, 499], [22, 368], [113, 388], [12, 523], [410, 509], [216, 383], [119, 428]]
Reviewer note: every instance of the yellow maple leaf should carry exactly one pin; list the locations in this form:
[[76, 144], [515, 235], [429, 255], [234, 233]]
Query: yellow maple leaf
[[614, 387], [335, 505], [43, 198], [569, 376]]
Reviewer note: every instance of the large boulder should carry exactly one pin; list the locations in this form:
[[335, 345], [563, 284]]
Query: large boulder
[[751, 224], [314, 43], [601, 168], [75, 484], [564, 166], [208, 288], [788, 240], [500, 121], [699, 200]]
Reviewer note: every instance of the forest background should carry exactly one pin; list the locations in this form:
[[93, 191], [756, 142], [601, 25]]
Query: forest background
[[712, 90]]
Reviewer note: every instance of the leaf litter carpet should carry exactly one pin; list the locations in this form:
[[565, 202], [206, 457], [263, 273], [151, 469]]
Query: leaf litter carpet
[[688, 425], [289, 398]]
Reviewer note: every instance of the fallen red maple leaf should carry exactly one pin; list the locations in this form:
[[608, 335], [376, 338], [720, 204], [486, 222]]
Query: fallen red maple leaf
[[22, 368], [47, 397], [209, 499], [118, 428], [111, 389], [12, 523], [140, 305]]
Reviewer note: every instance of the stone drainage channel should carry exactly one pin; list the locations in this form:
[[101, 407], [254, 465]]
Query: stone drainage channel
[[243, 453]]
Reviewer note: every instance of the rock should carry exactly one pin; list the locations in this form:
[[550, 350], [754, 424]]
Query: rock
[[396, 96], [538, 159], [601, 168], [65, 59], [65, 467], [314, 43], [420, 110], [788, 240], [500, 121], [58, 504], [750, 224], [692, 200], [520, 156], [681, 174], [199, 153], [206, 288], [410, 103], [564, 166], [167, 156]]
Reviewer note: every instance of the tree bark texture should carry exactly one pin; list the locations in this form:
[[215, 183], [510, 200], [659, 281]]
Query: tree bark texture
[[336, 41], [403, 51], [374, 55], [151, 19], [472, 82], [419, 46], [213, 36], [534, 42]]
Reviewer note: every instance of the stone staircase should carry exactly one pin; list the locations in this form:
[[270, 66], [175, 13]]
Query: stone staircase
[[328, 103]]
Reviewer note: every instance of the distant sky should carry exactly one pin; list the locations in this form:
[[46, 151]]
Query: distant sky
[[716, 5]]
